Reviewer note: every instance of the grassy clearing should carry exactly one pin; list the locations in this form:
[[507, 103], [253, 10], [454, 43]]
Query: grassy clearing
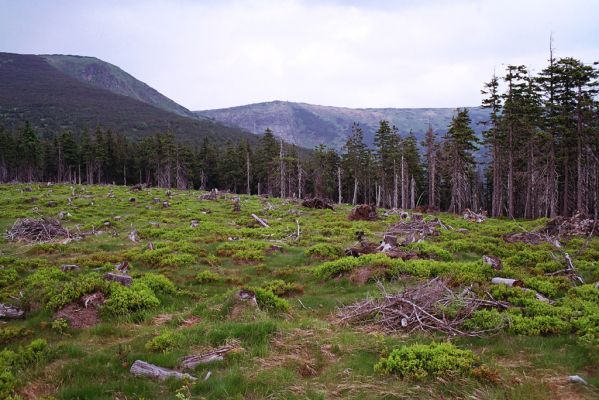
[[183, 301]]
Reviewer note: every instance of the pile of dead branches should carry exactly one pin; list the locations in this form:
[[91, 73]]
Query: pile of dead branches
[[37, 230], [471, 216], [318, 203], [363, 212], [423, 307], [414, 229], [576, 225]]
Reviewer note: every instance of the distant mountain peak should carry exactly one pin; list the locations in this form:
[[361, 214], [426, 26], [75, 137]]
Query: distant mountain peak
[[308, 125], [104, 75]]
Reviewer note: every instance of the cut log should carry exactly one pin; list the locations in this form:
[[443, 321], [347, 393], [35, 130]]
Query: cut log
[[10, 312], [142, 368], [69, 267], [260, 221], [192, 361], [493, 261], [507, 281], [123, 279]]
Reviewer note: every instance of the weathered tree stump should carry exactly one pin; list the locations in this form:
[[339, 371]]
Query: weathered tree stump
[[133, 236], [123, 279], [11, 312], [142, 368], [494, 262], [363, 212]]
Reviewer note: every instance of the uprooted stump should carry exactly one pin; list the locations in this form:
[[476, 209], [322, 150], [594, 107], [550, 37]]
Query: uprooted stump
[[317, 203], [37, 230], [11, 312], [193, 360], [363, 212], [142, 368], [83, 313], [420, 308]]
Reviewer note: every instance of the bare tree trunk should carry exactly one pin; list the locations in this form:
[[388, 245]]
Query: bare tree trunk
[[339, 184], [247, 171], [510, 176], [299, 178], [282, 168], [395, 197], [355, 197], [566, 205], [580, 185], [413, 193], [404, 203]]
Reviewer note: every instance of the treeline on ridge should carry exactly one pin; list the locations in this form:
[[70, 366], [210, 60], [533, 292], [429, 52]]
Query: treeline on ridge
[[542, 138]]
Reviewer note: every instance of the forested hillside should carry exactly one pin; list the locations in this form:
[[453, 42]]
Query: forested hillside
[[32, 90]]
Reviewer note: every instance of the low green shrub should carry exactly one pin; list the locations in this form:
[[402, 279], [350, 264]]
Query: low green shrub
[[538, 325], [8, 333], [266, 299], [158, 283], [163, 342], [281, 288], [123, 300], [324, 251], [208, 277], [7, 276], [420, 361], [483, 320], [248, 256]]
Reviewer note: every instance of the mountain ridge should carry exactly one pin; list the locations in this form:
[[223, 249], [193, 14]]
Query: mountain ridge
[[309, 124], [32, 90]]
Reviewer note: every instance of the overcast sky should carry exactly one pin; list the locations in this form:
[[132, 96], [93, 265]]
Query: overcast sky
[[213, 54]]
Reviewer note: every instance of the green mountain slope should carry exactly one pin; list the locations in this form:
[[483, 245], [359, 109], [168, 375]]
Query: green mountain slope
[[309, 125], [104, 75], [33, 90]]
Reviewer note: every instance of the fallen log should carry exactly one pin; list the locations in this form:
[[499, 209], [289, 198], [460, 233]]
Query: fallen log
[[11, 312], [192, 361], [507, 281], [123, 279], [69, 267], [142, 368], [260, 221]]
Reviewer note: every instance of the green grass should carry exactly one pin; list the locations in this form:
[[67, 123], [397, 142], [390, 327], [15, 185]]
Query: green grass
[[295, 351]]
